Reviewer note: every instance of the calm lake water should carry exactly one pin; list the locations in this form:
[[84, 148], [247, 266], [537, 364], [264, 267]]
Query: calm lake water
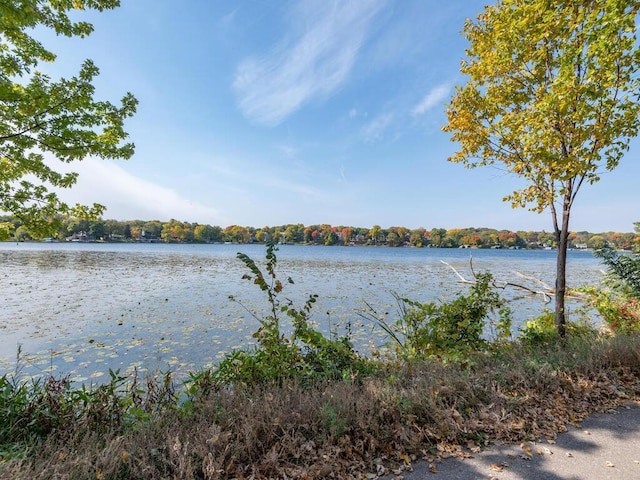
[[82, 308]]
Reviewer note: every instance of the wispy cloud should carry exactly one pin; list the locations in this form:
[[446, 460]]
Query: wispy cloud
[[313, 62], [432, 99], [127, 196], [228, 19], [374, 130], [343, 176], [258, 179], [355, 113], [285, 185]]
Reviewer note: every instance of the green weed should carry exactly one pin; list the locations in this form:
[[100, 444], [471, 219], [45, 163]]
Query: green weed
[[451, 329], [305, 354], [542, 330]]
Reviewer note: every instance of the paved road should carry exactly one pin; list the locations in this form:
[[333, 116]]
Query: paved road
[[607, 446]]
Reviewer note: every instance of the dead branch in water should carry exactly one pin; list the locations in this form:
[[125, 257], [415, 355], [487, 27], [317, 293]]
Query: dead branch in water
[[546, 293], [536, 280], [462, 279]]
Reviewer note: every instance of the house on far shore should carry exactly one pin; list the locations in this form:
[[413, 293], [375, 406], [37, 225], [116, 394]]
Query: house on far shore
[[80, 236]]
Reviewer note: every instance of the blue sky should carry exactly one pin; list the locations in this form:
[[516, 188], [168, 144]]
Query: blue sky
[[264, 112]]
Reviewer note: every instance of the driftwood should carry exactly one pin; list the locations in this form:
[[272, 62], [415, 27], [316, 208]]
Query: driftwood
[[462, 279], [547, 292]]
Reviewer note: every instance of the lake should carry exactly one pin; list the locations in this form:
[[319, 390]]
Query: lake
[[83, 308]]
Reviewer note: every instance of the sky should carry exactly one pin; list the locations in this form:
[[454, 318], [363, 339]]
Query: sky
[[265, 112]]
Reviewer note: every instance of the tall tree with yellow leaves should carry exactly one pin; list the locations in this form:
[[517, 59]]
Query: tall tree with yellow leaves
[[551, 96]]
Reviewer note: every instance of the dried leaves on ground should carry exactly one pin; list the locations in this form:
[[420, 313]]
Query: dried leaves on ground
[[355, 428]]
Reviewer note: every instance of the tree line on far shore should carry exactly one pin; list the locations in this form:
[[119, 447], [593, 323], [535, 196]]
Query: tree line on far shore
[[175, 231]]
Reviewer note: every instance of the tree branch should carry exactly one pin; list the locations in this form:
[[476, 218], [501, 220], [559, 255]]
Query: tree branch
[[547, 293], [37, 125]]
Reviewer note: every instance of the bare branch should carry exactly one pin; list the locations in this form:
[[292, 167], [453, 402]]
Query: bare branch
[[533, 279], [462, 279], [547, 293]]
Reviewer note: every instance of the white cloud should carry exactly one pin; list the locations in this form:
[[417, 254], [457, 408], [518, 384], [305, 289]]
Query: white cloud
[[432, 99], [254, 179], [343, 176], [373, 130], [314, 64], [128, 197], [291, 187], [228, 19]]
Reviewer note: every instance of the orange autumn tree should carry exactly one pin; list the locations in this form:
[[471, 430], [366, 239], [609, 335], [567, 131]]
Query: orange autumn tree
[[552, 97]]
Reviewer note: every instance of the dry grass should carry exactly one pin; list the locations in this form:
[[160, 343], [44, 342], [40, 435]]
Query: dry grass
[[346, 429]]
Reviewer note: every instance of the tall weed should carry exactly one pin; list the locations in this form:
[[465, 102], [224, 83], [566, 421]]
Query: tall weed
[[306, 353], [453, 329], [542, 330]]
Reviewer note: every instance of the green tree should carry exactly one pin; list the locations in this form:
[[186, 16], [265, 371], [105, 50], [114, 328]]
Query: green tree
[[236, 234], [416, 237], [293, 233], [97, 229], [201, 233], [437, 236], [551, 97], [393, 240], [152, 229], [136, 231], [207, 233], [21, 234], [597, 242], [402, 233], [71, 225], [175, 231], [624, 268], [114, 229], [449, 242], [330, 237], [262, 235], [41, 118]]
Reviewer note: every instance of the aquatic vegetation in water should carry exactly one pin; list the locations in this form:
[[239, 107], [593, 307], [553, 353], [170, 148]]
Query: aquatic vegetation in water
[[84, 308]]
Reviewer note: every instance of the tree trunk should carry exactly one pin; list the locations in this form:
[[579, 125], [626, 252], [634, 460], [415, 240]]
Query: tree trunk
[[561, 268]]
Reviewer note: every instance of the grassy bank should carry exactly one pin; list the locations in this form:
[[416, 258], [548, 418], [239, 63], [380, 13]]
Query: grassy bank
[[349, 427]]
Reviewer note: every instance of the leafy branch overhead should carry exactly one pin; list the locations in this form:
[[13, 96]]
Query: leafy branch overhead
[[43, 119]]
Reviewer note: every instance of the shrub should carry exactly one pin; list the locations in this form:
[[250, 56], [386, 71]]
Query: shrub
[[621, 313], [623, 271], [451, 329], [542, 330], [305, 354], [619, 302]]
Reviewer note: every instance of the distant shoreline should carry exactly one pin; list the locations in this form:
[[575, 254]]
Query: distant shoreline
[[137, 242]]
